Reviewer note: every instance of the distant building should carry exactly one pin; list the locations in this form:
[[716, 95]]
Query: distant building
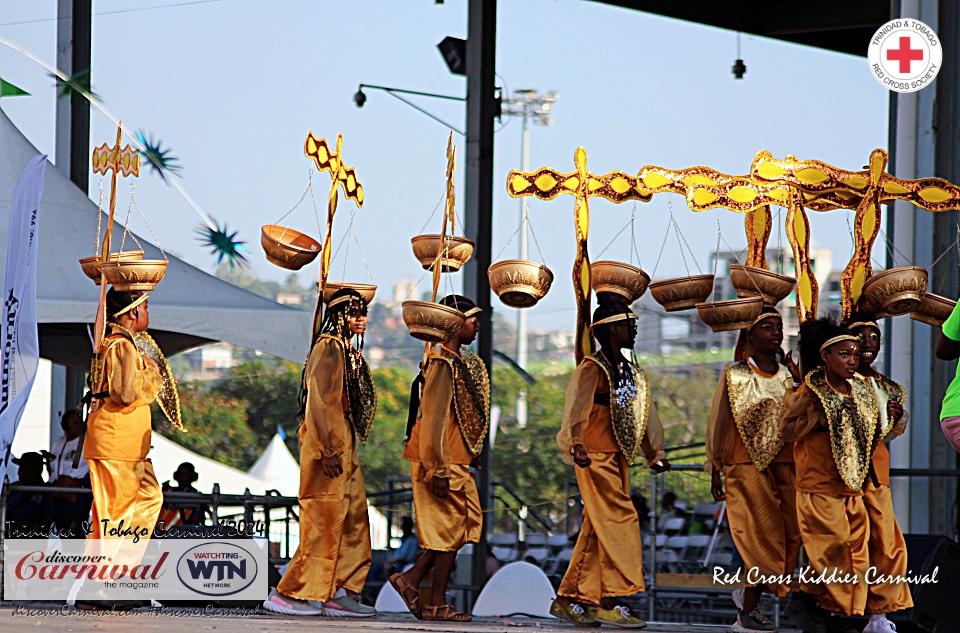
[[289, 299]]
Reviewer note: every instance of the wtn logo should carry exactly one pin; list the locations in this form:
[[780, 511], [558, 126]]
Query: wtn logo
[[224, 569]]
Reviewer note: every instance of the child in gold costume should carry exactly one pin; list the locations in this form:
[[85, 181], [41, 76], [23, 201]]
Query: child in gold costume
[[888, 550], [338, 403], [744, 445], [608, 418], [832, 419], [444, 441], [124, 383]]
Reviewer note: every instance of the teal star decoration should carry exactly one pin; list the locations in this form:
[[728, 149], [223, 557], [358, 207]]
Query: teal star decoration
[[160, 160], [222, 244], [76, 84]]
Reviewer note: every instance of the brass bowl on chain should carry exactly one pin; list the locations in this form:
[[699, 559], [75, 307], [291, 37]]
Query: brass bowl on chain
[[735, 314], [750, 281], [519, 283], [366, 290], [933, 310], [621, 279], [431, 322], [91, 265], [896, 291], [130, 275], [287, 248], [458, 251], [682, 293]]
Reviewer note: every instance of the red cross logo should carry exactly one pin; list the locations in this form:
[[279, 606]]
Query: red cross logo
[[905, 55]]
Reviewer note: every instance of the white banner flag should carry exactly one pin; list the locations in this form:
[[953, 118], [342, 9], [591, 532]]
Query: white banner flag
[[21, 345]]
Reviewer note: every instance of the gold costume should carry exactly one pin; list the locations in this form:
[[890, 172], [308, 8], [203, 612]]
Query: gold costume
[[832, 516], [760, 485], [116, 445], [453, 421], [334, 548], [607, 560], [887, 547]]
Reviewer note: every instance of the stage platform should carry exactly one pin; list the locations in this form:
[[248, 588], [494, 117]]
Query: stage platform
[[52, 618]]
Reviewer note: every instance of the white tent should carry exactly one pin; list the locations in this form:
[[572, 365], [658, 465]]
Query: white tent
[[188, 308], [167, 455], [277, 468]]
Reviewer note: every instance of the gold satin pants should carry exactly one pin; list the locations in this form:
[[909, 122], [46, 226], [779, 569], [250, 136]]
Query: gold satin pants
[[835, 531], [888, 552], [762, 509], [607, 559], [334, 548], [446, 525], [128, 497]]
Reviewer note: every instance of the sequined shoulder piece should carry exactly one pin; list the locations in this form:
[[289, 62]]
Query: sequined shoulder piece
[[757, 404], [853, 425], [629, 404], [471, 395]]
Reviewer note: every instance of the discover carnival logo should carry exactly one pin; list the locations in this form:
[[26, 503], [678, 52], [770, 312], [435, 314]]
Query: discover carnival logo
[[905, 55], [217, 569]]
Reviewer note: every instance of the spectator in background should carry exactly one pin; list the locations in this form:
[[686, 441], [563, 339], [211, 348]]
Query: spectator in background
[[29, 511], [172, 514], [643, 512], [70, 510], [669, 510], [406, 554]]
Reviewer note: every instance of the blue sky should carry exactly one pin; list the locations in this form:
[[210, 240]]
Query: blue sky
[[232, 86]]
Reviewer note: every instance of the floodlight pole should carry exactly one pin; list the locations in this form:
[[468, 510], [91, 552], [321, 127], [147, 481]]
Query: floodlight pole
[[526, 104]]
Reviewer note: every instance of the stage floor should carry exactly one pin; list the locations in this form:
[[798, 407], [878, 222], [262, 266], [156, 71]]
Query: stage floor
[[50, 619]]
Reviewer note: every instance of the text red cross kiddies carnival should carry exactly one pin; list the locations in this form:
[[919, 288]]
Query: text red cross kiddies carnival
[[905, 54]]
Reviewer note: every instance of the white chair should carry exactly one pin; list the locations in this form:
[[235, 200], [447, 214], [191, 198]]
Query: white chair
[[538, 554], [557, 542], [535, 539], [504, 554], [502, 539], [674, 525]]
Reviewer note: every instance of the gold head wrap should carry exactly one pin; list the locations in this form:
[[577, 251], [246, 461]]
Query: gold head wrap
[[863, 324], [616, 317], [133, 304], [838, 339]]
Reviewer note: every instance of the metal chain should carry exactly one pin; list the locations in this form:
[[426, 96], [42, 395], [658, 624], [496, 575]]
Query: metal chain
[[96, 244], [147, 224]]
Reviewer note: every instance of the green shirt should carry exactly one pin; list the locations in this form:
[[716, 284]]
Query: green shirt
[[951, 401]]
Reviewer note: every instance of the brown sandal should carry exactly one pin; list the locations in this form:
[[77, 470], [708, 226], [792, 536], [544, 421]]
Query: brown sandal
[[449, 613], [402, 586]]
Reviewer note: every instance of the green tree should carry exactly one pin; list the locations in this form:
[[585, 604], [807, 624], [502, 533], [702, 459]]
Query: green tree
[[216, 426], [269, 389]]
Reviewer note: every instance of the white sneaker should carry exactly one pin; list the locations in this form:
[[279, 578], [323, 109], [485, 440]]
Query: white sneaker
[[283, 605], [347, 606], [881, 625]]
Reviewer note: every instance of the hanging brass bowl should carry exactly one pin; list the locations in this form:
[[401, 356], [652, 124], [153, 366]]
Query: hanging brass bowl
[[366, 290], [682, 293], [933, 310], [519, 283], [896, 291], [735, 314], [288, 248], [622, 279], [459, 250], [750, 281], [431, 322], [129, 275], [91, 265]]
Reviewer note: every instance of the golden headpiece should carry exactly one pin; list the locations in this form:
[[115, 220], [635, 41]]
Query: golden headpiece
[[837, 339], [133, 304]]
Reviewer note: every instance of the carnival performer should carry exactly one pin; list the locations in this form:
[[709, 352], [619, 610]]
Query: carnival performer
[[887, 548], [747, 456], [444, 441], [608, 418], [124, 382], [338, 402], [832, 419]]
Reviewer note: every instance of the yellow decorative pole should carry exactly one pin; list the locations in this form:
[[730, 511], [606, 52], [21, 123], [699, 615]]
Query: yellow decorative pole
[[547, 184], [829, 187], [116, 160], [318, 150]]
